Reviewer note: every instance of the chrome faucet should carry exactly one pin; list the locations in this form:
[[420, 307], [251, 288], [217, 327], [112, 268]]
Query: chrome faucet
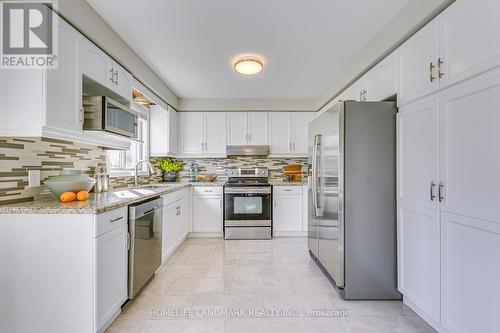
[[136, 177]]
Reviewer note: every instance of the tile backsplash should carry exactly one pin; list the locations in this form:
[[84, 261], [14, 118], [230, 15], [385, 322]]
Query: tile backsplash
[[50, 156], [218, 165]]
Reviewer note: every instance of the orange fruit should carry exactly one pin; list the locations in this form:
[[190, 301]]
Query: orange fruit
[[67, 197], [82, 196]]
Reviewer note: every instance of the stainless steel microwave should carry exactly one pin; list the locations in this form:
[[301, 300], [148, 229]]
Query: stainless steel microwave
[[101, 113]]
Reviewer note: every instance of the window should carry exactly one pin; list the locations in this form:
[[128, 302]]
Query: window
[[123, 161]]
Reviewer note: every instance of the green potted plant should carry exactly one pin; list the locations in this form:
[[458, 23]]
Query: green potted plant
[[170, 169]]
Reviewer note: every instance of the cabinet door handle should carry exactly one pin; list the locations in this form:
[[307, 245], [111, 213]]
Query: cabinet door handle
[[207, 191], [431, 72], [220, 203], [293, 146], [128, 240], [432, 191], [117, 77], [81, 115], [290, 146], [274, 202], [440, 70], [441, 192], [117, 219], [360, 95], [112, 75]]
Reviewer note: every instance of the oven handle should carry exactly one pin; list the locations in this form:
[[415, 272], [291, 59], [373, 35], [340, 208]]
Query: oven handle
[[246, 190]]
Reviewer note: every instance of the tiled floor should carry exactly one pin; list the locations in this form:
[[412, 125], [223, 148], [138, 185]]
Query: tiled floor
[[212, 285]]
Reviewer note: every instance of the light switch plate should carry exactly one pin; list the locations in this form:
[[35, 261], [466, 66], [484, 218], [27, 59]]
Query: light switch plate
[[33, 178]]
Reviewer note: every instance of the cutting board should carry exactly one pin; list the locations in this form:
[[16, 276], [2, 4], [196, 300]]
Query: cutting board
[[293, 170]]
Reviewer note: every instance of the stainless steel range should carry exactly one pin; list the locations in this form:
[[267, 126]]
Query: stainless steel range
[[247, 204]]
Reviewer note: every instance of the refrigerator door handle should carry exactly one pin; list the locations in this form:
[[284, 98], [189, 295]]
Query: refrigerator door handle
[[313, 175], [317, 143]]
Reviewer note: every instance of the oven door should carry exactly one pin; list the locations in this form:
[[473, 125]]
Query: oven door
[[247, 206]]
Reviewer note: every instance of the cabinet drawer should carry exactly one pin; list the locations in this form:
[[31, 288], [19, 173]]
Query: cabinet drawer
[[277, 190], [175, 196], [109, 220], [207, 190]]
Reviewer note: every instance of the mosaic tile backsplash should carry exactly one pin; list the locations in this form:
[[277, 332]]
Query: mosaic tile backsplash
[[218, 165], [18, 155]]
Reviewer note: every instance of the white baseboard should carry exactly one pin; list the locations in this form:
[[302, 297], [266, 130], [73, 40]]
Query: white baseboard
[[168, 254]]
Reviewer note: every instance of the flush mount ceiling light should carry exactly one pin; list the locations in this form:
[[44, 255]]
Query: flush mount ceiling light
[[248, 65]]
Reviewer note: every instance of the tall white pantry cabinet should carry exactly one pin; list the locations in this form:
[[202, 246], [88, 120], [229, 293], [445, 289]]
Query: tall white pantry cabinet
[[448, 205], [448, 161]]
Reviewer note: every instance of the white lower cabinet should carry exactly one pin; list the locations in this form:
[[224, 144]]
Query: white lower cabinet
[[207, 210], [418, 254], [176, 221], [470, 258], [288, 208], [168, 240], [111, 274]]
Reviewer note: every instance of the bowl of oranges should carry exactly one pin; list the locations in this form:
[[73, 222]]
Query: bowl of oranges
[[70, 185]]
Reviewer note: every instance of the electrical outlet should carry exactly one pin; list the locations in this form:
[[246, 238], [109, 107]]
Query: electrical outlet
[[33, 178]]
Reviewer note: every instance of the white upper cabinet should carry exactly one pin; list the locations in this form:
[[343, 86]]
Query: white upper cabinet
[[417, 153], [468, 39], [202, 133], [356, 92], [215, 133], [258, 128], [381, 80], [100, 68], [96, 65], [417, 61], [469, 147], [288, 133], [162, 131], [247, 128], [237, 130], [173, 129], [300, 125], [280, 138], [192, 128], [122, 84], [64, 85]]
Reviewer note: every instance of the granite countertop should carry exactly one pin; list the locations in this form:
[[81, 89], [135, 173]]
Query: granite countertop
[[102, 202], [99, 202]]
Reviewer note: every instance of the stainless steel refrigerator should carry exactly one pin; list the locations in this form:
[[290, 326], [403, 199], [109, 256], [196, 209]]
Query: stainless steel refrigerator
[[352, 198]]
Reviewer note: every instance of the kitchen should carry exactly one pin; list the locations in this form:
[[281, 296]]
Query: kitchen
[[219, 181]]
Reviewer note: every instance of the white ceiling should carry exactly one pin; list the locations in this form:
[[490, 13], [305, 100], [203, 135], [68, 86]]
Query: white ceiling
[[305, 44]]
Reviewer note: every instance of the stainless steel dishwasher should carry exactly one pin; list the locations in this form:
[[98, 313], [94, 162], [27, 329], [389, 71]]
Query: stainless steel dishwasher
[[144, 257]]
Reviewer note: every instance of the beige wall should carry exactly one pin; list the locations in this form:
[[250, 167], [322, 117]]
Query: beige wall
[[84, 18]]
